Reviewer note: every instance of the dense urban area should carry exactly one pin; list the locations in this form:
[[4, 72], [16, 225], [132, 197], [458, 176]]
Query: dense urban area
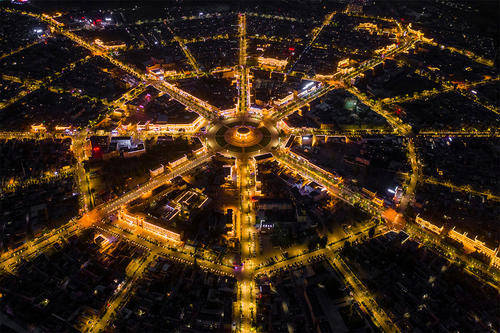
[[262, 166]]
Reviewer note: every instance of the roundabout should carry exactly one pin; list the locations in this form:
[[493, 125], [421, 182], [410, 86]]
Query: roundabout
[[242, 136]]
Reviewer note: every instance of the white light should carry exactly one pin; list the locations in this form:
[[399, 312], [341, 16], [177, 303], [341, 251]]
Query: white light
[[391, 191], [308, 85], [108, 19]]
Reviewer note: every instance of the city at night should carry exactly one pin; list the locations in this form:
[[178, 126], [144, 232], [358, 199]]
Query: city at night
[[295, 166]]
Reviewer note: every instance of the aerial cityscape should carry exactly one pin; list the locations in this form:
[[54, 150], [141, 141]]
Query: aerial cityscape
[[249, 166]]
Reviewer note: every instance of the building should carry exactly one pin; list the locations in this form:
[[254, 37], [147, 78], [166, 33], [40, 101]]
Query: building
[[157, 171], [272, 63], [120, 142], [161, 127], [140, 221], [98, 145]]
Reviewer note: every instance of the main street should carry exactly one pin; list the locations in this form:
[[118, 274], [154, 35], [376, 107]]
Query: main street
[[246, 306], [29, 250], [47, 177], [297, 103], [243, 72], [113, 205], [400, 127], [329, 181], [414, 177], [299, 255], [197, 105], [30, 85], [78, 147], [174, 250], [339, 133], [11, 259], [188, 55]]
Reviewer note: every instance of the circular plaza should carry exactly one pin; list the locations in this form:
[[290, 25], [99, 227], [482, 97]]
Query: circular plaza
[[243, 136]]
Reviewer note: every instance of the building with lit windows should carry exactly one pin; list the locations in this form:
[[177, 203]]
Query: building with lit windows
[[140, 221]]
